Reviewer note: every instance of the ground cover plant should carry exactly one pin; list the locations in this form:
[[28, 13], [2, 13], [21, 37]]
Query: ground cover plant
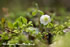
[[35, 28]]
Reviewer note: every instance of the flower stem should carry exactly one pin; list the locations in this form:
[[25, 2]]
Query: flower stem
[[45, 28]]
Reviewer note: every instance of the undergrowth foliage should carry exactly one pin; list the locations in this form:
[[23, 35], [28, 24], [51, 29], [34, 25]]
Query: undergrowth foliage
[[23, 31]]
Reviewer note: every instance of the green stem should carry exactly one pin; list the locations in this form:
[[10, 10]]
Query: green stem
[[45, 28]]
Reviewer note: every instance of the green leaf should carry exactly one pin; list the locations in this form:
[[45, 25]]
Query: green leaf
[[41, 12], [20, 21], [15, 24], [15, 31], [50, 25], [34, 13], [30, 23], [23, 20], [23, 26], [10, 25]]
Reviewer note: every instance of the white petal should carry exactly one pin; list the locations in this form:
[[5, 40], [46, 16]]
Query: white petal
[[42, 19]]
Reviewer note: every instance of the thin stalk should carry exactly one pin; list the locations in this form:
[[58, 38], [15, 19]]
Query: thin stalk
[[45, 28]]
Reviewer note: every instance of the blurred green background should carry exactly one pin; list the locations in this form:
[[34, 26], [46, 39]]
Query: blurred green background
[[21, 5], [16, 8]]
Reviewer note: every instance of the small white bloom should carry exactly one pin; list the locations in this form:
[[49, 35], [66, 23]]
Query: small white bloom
[[45, 19]]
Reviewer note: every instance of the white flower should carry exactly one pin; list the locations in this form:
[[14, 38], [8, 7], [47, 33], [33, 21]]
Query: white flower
[[45, 19]]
